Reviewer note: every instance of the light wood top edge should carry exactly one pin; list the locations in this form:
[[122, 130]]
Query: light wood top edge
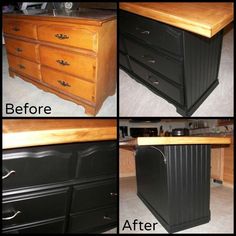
[[182, 140], [36, 132], [207, 30]]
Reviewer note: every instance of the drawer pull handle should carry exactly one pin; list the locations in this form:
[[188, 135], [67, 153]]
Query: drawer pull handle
[[107, 218], [149, 59], [61, 36], [156, 82], [8, 174], [15, 29], [113, 194], [21, 66], [19, 50], [12, 217], [63, 63], [63, 83], [142, 31], [152, 61]]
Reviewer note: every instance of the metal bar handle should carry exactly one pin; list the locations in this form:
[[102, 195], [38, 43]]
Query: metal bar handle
[[113, 194], [12, 217], [8, 174], [107, 218]]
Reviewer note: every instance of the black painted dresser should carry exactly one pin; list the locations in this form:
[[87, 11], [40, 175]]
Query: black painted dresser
[[61, 188], [176, 64]]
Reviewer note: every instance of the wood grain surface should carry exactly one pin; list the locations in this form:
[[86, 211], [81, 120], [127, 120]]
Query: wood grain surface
[[202, 18], [33, 132]]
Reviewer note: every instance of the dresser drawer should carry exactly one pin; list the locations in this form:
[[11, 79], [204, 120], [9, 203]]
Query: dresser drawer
[[38, 165], [69, 84], [22, 49], [152, 32], [74, 36], [157, 82], [91, 221], [72, 63], [49, 227], [24, 66], [123, 60], [29, 208], [159, 62], [96, 160], [121, 44], [92, 196], [20, 28]]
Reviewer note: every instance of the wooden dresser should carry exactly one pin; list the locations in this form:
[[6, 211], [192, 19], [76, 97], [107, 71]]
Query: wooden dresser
[[174, 49], [73, 56], [59, 176]]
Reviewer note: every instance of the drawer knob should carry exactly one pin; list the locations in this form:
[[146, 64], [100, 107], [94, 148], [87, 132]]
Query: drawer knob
[[107, 218], [15, 29], [8, 174], [152, 61], [63, 83], [19, 50], [12, 217], [21, 66], [63, 63], [113, 194], [149, 59], [61, 36]]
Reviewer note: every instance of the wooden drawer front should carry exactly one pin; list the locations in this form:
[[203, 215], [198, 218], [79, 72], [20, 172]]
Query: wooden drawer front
[[73, 63], [91, 221], [22, 49], [121, 44], [152, 32], [68, 84], [24, 66], [50, 227], [38, 165], [20, 28], [157, 82], [93, 196], [34, 207], [69, 35], [159, 62], [96, 160], [123, 60]]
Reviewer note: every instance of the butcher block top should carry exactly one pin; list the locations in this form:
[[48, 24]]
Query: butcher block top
[[173, 141], [33, 132], [201, 18], [84, 16]]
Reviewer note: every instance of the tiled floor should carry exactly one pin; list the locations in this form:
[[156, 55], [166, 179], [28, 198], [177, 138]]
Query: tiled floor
[[221, 205]]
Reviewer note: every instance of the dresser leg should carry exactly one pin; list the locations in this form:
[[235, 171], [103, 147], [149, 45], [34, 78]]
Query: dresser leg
[[11, 74], [91, 111]]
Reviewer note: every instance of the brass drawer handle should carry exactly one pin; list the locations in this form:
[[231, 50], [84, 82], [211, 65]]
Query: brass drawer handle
[[113, 194], [16, 29], [12, 217], [19, 50], [61, 36], [21, 66], [107, 218], [63, 83], [63, 63], [8, 174]]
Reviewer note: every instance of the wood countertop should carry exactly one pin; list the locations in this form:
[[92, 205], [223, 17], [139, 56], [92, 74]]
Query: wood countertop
[[33, 132], [202, 18], [129, 144]]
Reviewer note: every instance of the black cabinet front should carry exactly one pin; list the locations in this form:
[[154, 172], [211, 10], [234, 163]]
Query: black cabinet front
[[47, 187], [174, 183], [179, 57]]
